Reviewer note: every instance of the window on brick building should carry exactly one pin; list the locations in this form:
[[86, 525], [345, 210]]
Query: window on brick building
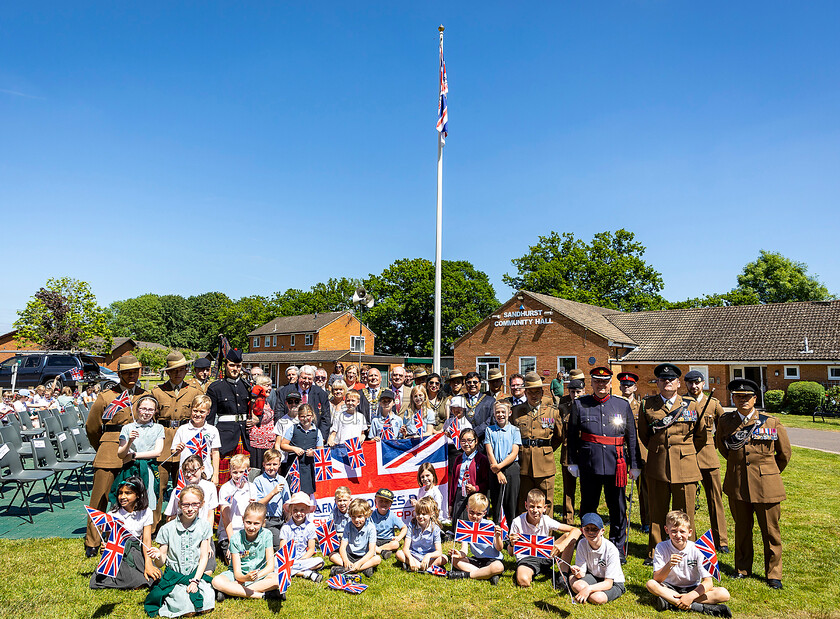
[[566, 364], [257, 342], [267, 341], [274, 341], [527, 364], [292, 341], [791, 372], [834, 372], [357, 343], [308, 339]]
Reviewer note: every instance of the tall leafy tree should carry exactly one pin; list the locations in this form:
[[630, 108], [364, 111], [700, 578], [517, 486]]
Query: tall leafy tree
[[205, 315], [140, 318], [608, 272], [403, 317], [243, 316], [63, 315], [776, 279], [334, 295]]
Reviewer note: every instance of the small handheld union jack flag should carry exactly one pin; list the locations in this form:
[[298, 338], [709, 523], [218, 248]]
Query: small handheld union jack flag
[[113, 551], [77, 374], [116, 406], [474, 532], [355, 454], [102, 520], [340, 583], [293, 477], [387, 433], [180, 484], [454, 432], [436, 570], [323, 464], [327, 537], [534, 546], [198, 445], [706, 545], [285, 559], [419, 422], [504, 525]]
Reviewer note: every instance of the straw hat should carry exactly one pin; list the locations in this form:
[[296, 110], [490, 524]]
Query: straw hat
[[300, 498], [494, 374], [420, 373], [454, 374], [175, 360]]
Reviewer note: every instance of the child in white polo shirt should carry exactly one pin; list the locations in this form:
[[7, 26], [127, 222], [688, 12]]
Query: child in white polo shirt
[[597, 577]]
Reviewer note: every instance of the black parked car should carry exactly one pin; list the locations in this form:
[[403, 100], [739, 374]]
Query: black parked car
[[42, 368]]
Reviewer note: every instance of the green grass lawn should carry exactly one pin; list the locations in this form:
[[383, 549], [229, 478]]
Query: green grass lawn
[[807, 422], [49, 578]]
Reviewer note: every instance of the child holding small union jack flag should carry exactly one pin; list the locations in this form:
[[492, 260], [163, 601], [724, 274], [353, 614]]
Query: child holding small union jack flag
[[386, 424], [300, 529], [470, 474], [597, 577], [141, 442], [192, 471], [185, 550], [252, 573], [680, 580], [234, 496], [428, 480], [419, 418], [199, 438], [348, 423], [273, 492], [357, 552], [302, 439], [422, 547], [534, 523], [133, 513], [486, 561]]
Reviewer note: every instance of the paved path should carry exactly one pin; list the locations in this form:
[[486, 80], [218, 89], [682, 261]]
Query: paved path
[[815, 439]]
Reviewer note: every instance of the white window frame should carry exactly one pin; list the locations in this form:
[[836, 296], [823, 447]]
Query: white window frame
[[561, 366], [833, 367], [256, 341], [524, 371], [292, 340], [791, 367], [308, 339], [357, 343], [485, 364], [267, 341], [274, 341], [703, 369]]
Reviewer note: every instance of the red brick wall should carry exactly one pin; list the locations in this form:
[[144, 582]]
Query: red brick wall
[[560, 337], [647, 381], [334, 336]]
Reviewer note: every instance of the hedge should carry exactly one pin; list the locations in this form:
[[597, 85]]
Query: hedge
[[803, 397], [773, 400]]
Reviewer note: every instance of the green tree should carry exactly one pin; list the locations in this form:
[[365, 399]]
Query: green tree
[[63, 315], [403, 317], [608, 272], [153, 358], [333, 296], [140, 318], [206, 312], [241, 317], [735, 296], [776, 279]]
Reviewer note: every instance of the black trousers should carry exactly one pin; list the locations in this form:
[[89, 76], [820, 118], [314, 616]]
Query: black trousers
[[590, 497], [511, 492]]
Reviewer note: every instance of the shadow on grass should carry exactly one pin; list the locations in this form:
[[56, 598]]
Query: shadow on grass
[[551, 608], [104, 611]]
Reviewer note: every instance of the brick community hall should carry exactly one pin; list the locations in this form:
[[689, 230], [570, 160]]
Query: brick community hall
[[773, 344]]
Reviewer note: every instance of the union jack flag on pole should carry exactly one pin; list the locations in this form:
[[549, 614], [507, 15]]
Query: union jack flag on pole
[[475, 532], [454, 433], [116, 406], [504, 525], [113, 551], [102, 520], [180, 484], [534, 546], [387, 433], [285, 559], [443, 114], [706, 545], [340, 583], [327, 537], [436, 570], [419, 422], [293, 477], [323, 464], [198, 445], [355, 453]]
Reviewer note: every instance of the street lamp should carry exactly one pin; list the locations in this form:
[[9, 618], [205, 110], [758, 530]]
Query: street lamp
[[361, 299]]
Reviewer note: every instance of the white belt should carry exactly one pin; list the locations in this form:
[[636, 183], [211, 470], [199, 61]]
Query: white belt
[[224, 418]]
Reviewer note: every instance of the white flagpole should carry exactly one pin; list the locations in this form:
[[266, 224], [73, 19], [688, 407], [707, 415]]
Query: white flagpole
[[439, 241]]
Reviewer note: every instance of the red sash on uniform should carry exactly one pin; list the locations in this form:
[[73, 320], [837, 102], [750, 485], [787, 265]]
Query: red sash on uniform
[[620, 464]]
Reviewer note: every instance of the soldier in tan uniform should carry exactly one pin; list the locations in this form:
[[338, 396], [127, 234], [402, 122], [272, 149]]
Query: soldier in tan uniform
[[673, 432], [576, 389], [708, 458], [757, 450], [104, 436], [628, 385], [495, 383], [175, 403], [201, 375], [541, 427]]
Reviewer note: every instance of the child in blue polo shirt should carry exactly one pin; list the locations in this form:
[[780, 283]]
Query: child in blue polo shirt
[[357, 552], [422, 547], [385, 522], [486, 562], [340, 517], [503, 441], [273, 492]]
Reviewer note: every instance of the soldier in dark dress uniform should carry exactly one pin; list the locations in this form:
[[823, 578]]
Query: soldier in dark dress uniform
[[708, 459], [104, 436], [627, 382], [674, 432], [602, 449], [541, 429], [757, 450], [576, 389], [229, 412]]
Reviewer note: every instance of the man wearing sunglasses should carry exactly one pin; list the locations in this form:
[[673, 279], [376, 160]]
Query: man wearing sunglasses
[[674, 431], [480, 406]]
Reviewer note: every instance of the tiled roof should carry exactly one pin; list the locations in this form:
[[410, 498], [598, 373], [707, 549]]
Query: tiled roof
[[307, 323], [590, 316], [773, 332]]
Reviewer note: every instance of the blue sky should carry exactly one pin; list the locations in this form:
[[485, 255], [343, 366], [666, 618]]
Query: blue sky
[[183, 147]]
